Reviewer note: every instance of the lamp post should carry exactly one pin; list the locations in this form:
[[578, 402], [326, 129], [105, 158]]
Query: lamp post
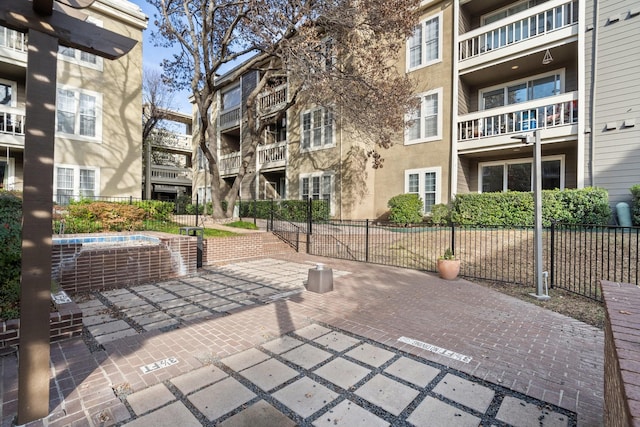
[[535, 139]]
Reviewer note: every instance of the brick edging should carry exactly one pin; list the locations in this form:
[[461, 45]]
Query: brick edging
[[621, 354]]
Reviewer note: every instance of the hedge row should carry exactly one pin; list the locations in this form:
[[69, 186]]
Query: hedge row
[[11, 244], [635, 204], [571, 206], [290, 210]]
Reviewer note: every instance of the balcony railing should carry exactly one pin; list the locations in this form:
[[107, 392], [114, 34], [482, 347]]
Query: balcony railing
[[11, 120], [171, 174], [229, 163], [272, 99], [172, 140], [543, 113], [13, 40], [272, 154], [536, 22], [229, 118]]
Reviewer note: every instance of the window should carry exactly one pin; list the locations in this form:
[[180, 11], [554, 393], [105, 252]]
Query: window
[[317, 129], [426, 121], [231, 98], [7, 173], [202, 160], [426, 184], [317, 186], [204, 194], [77, 113], [424, 47], [75, 182], [8, 93], [510, 10], [79, 57], [517, 175], [536, 87]]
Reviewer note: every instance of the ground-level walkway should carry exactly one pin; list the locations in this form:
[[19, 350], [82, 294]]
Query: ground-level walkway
[[244, 344]]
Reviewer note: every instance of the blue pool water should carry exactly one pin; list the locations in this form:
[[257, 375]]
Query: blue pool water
[[129, 238]]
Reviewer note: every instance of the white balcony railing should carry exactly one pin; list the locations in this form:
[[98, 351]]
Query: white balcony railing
[[229, 118], [172, 141], [11, 120], [533, 22], [13, 40], [272, 154], [272, 99], [542, 113], [229, 163], [171, 174]]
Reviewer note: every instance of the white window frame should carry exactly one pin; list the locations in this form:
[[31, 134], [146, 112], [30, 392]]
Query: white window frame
[[505, 86], [323, 138], [98, 107], [310, 176], [505, 163], [77, 54], [483, 18], [234, 106], [76, 179], [439, 119], [10, 177], [423, 60], [14, 91], [421, 184], [205, 192]]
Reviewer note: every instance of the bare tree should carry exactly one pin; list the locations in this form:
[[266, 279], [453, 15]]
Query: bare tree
[[339, 54]]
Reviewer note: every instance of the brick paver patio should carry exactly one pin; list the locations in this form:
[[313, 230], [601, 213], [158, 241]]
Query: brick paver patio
[[388, 346]]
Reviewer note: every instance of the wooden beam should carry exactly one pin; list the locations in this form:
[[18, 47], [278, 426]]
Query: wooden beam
[[19, 15], [43, 7]]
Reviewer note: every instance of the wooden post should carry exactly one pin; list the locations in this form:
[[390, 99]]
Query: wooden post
[[35, 288]]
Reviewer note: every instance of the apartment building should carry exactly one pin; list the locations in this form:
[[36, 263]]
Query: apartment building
[[98, 150], [168, 159]]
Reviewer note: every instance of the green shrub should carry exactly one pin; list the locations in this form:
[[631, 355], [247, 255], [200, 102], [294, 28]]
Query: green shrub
[[635, 204], [405, 209], [572, 206], [103, 216], [11, 244], [440, 214], [290, 210], [155, 210]]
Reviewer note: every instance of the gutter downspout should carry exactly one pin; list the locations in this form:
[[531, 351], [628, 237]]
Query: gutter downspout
[[594, 74]]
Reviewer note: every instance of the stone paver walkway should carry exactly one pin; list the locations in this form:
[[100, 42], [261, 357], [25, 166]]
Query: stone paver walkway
[[243, 344]]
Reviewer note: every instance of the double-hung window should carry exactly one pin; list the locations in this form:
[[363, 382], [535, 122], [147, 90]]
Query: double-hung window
[[425, 123], [317, 129], [424, 47], [79, 57], [425, 183], [71, 181], [78, 113], [517, 175], [318, 186]]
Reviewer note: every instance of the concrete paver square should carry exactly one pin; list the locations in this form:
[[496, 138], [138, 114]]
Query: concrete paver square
[[305, 396], [102, 339], [187, 291], [243, 360], [209, 302], [150, 398], [260, 414], [115, 292], [220, 398], [269, 374], [131, 302], [388, 394], [337, 341], [184, 309], [348, 414], [195, 380], [107, 328], [226, 307], [138, 310], [91, 302], [371, 355], [433, 412], [158, 296], [172, 303], [159, 325], [342, 372], [117, 298], [153, 317], [306, 356], [519, 413], [146, 288], [465, 392], [96, 319], [411, 371], [312, 332], [175, 414], [282, 344]]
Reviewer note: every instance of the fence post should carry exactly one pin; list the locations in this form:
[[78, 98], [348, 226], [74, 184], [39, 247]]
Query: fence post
[[453, 238], [366, 242], [552, 254], [309, 222], [130, 200], [270, 222], [255, 211], [197, 207]]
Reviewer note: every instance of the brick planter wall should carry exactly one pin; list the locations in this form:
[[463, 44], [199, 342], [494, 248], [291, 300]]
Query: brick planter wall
[[228, 249], [65, 323], [621, 354]]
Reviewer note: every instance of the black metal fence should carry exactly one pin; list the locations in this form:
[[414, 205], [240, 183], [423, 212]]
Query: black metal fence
[[576, 257]]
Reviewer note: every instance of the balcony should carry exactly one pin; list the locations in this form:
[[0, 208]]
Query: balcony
[[229, 163], [12, 126], [172, 142], [13, 44], [272, 155], [272, 100], [229, 118], [558, 115], [171, 175], [549, 22]]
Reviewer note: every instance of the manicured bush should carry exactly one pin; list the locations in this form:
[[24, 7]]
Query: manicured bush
[[635, 204], [572, 206], [440, 214], [405, 209], [103, 216], [290, 210], [11, 244], [155, 209]]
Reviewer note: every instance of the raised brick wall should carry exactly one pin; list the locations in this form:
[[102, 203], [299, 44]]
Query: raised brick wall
[[228, 249], [621, 354], [65, 323]]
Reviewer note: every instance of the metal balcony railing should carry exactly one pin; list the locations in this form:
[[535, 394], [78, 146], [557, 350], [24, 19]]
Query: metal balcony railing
[[272, 154], [229, 118], [542, 113], [13, 40], [171, 174], [11, 120], [533, 22]]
